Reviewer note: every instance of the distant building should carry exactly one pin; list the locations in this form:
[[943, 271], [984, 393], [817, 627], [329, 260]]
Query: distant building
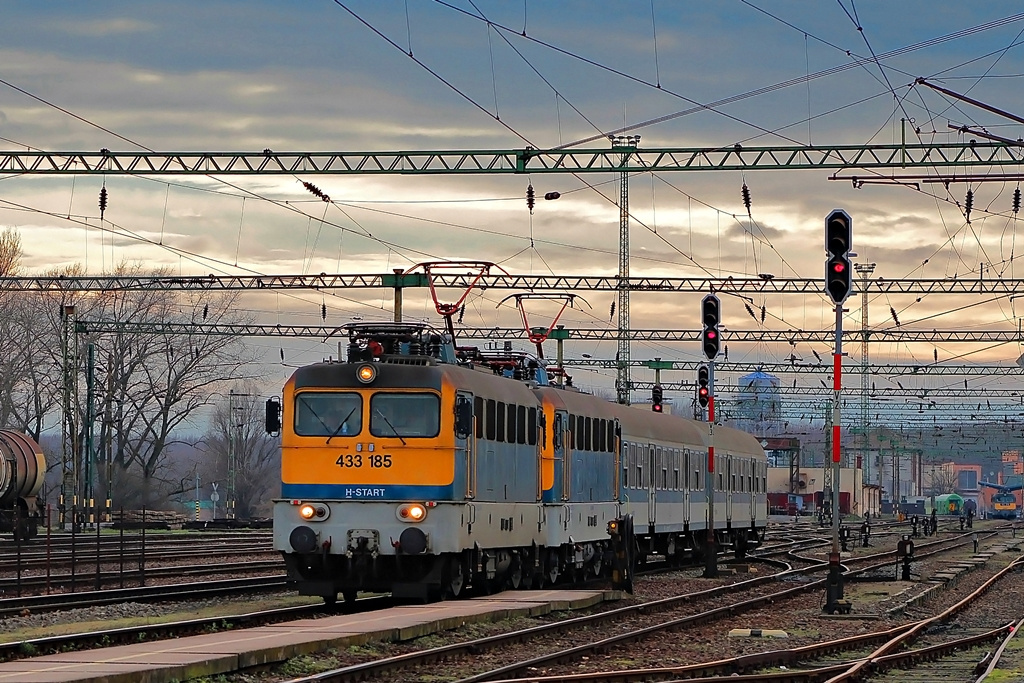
[[759, 402]]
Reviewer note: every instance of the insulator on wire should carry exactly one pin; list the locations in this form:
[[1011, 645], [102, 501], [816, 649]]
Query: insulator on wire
[[206, 310], [316, 191], [746, 197], [282, 354], [103, 201], [323, 311], [611, 311], [552, 195], [894, 318], [530, 199], [764, 313], [968, 205], [462, 313], [1016, 200], [750, 311]]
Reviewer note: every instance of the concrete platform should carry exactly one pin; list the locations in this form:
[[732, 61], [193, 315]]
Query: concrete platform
[[181, 659]]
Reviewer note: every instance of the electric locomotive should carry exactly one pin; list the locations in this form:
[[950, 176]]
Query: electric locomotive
[[1004, 502], [421, 470]]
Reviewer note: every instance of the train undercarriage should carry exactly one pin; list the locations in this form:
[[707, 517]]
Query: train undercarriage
[[484, 571]]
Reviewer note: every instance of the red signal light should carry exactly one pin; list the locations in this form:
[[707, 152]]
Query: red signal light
[[657, 407], [712, 334], [838, 267]]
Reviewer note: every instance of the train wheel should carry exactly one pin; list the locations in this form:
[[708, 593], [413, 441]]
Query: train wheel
[[454, 578], [515, 574], [551, 568]]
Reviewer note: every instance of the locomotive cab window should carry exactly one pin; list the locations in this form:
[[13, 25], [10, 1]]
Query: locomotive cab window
[[328, 413], [405, 415]]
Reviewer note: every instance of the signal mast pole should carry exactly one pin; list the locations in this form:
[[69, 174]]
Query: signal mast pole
[[838, 281], [710, 313]]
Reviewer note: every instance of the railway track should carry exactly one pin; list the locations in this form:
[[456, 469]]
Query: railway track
[[610, 631]]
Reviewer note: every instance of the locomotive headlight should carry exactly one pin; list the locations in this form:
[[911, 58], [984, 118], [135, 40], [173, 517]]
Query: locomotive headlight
[[314, 512], [366, 373], [412, 512]]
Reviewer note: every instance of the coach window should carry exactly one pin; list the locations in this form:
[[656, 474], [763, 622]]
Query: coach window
[[625, 465], [676, 457], [664, 468], [328, 413], [641, 456], [510, 423], [405, 415], [499, 422]]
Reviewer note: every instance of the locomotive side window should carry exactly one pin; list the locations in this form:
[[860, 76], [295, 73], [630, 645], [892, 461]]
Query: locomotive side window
[[521, 424], [586, 434], [531, 426], [402, 415], [478, 412], [490, 420], [625, 464], [510, 424], [328, 413], [499, 422]]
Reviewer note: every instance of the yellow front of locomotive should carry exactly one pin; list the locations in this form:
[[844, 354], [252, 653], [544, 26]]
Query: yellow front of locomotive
[[370, 488]]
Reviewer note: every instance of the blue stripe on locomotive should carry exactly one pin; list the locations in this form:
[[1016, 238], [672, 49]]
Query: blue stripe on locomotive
[[367, 492]]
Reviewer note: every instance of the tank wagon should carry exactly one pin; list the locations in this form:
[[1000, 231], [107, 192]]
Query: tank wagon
[[421, 470], [22, 469]]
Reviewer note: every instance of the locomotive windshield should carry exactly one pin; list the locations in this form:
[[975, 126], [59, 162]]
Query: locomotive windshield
[[328, 414], [405, 415]]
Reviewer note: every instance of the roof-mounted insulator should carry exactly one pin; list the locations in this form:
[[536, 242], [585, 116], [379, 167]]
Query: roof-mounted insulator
[[968, 205], [316, 191], [746, 197], [103, 201], [1016, 200], [530, 199]]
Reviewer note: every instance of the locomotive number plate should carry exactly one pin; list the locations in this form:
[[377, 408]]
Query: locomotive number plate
[[374, 460]]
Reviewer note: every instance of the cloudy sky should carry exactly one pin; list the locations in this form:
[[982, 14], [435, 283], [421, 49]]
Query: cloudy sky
[[386, 75]]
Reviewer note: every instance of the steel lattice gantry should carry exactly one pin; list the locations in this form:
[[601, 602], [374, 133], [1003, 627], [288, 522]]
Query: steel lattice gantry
[[644, 160], [562, 283], [326, 331]]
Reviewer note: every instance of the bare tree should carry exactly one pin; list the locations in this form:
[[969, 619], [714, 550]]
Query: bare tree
[[149, 389], [237, 433], [941, 479]]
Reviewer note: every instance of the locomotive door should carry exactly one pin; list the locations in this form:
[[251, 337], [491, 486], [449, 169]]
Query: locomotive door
[[653, 468], [465, 439]]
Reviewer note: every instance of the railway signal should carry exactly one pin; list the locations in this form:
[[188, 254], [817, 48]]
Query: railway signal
[[710, 308], [703, 392], [838, 268], [657, 394]]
